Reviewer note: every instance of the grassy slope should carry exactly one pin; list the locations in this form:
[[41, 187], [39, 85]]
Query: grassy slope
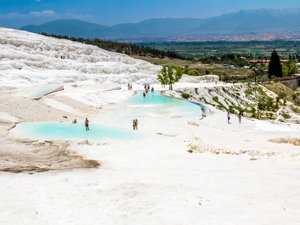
[[279, 88], [217, 69]]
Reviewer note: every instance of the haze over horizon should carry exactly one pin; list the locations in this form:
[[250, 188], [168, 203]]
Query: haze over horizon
[[17, 13]]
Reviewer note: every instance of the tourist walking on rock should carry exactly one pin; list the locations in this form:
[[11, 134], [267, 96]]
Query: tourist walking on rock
[[203, 113], [86, 123], [240, 117], [228, 117]]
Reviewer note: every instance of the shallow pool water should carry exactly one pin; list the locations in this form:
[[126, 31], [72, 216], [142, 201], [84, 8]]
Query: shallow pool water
[[152, 105], [40, 91], [65, 131], [155, 100]]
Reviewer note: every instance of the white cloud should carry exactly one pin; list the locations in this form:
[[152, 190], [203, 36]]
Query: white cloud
[[17, 20], [43, 13]]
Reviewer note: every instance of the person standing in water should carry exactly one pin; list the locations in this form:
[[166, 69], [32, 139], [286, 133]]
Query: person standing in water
[[135, 124], [86, 123]]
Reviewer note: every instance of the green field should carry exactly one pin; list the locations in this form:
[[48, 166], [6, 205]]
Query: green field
[[251, 49]]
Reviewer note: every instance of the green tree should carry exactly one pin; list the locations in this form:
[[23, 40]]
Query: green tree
[[163, 76], [275, 66], [285, 70], [289, 68], [292, 68], [169, 76], [179, 73]]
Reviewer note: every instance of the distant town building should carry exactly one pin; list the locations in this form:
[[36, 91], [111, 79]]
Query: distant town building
[[259, 61], [228, 66]]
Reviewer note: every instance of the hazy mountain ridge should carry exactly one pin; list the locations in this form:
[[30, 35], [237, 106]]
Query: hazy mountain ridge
[[242, 22]]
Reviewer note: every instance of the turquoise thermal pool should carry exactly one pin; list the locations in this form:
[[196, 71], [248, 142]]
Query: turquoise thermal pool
[[153, 102], [157, 102], [65, 131], [38, 92]]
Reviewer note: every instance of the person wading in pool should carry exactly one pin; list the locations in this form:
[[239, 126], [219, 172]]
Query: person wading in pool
[[135, 124], [86, 123]]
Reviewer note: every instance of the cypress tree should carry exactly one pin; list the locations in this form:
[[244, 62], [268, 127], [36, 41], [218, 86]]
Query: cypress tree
[[275, 68]]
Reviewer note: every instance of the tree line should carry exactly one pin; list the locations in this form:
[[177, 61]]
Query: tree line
[[122, 47], [232, 58]]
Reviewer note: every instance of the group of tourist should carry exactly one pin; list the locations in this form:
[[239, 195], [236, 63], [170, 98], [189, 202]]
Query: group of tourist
[[147, 89], [135, 121], [135, 124], [86, 123], [240, 115]]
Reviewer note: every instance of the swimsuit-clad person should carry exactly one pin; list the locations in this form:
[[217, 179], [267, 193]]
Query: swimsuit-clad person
[[86, 123], [135, 124]]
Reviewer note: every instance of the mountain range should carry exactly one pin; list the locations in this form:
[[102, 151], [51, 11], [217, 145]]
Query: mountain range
[[239, 23]]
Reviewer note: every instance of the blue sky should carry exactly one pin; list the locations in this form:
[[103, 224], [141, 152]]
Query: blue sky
[[16, 13]]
